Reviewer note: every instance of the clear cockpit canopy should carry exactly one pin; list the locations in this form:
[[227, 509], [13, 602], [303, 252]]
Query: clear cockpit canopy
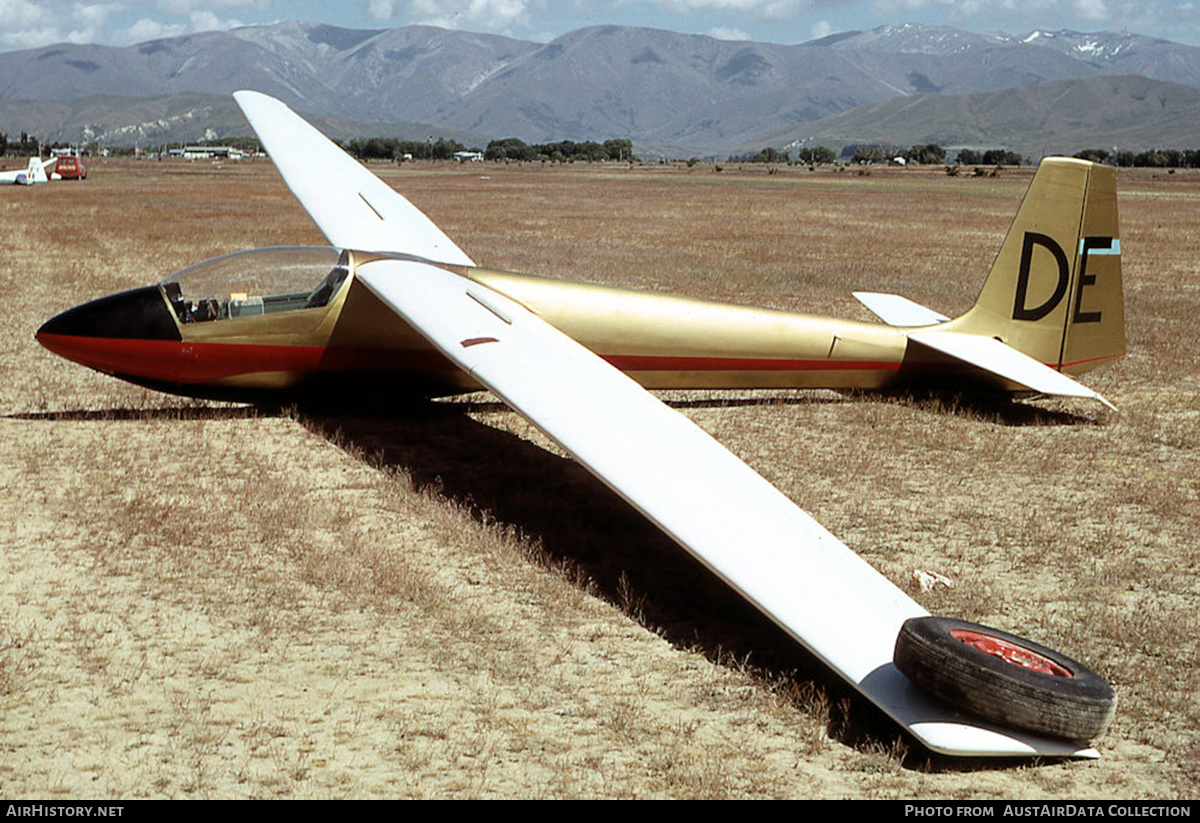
[[259, 281]]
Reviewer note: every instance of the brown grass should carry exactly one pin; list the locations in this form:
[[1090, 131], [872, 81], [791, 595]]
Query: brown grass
[[206, 601]]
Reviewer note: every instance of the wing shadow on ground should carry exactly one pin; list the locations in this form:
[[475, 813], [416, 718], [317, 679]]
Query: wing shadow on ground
[[1001, 409], [990, 407], [587, 530], [591, 533], [167, 413]]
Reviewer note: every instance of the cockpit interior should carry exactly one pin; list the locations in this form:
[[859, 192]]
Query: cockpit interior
[[256, 282]]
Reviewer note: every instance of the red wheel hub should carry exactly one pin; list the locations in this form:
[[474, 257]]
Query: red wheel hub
[[1010, 652]]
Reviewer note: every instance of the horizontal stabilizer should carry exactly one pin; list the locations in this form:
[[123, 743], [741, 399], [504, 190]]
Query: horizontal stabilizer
[[899, 311], [1002, 360]]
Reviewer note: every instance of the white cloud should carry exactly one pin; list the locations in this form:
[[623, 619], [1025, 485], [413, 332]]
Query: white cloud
[[208, 21], [1091, 9], [479, 15], [203, 20], [186, 8], [820, 29], [197, 21], [28, 38], [147, 29], [88, 21], [94, 14], [27, 24], [20, 14], [760, 9], [722, 33], [80, 37], [381, 10], [963, 10]]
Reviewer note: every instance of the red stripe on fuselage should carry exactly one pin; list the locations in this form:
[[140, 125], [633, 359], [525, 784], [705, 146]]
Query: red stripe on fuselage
[[194, 362], [1074, 363], [640, 363]]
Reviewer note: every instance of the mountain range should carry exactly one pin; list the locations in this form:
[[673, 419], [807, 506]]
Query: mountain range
[[673, 94]]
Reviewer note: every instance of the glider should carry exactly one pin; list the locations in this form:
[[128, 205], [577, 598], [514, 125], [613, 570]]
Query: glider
[[397, 307], [34, 173]]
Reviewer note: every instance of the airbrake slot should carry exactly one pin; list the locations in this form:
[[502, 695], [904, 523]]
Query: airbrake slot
[[369, 206], [483, 302]]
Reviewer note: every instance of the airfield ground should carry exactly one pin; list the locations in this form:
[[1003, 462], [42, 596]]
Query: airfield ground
[[204, 600]]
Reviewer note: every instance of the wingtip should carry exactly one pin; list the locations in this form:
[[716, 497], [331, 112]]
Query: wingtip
[[249, 97]]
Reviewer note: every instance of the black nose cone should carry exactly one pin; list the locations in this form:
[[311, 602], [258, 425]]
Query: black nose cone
[[137, 314]]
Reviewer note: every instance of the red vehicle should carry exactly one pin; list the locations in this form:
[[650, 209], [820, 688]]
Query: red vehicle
[[70, 167]]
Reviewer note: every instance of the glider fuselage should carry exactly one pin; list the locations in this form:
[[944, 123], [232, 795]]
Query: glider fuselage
[[243, 342]]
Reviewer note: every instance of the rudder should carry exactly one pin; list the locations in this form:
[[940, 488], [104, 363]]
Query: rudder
[[1054, 291]]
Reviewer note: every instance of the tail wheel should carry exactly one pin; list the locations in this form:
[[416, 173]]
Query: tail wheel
[[1004, 678]]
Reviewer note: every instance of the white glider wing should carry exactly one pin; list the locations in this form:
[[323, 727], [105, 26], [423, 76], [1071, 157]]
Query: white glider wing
[[713, 504], [353, 208]]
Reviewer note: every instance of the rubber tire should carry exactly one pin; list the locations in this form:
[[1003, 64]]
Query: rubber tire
[[1078, 707]]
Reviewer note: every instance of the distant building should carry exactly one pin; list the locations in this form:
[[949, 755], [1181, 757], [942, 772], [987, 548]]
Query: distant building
[[468, 156], [208, 153]]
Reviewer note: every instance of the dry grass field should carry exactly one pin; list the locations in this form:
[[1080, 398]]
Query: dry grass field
[[202, 600]]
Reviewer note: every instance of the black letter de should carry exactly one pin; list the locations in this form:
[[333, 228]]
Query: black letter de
[[1020, 310]]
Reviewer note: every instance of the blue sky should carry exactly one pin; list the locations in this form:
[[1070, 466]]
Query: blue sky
[[30, 23]]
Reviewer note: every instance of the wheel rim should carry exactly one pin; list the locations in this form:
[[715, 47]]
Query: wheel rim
[[1010, 652]]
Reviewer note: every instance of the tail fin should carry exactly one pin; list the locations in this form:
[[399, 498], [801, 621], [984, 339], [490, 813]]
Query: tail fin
[[36, 173], [1054, 292]]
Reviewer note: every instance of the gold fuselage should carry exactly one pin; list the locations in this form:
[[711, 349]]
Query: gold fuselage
[[662, 341]]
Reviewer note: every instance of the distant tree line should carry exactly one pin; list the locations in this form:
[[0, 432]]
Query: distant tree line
[[815, 155], [564, 151], [392, 148], [770, 155], [855, 152], [810, 155], [507, 149], [933, 154], [26, 146], [1155, 158], [29, 145], [930, 154], [991, 157]]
